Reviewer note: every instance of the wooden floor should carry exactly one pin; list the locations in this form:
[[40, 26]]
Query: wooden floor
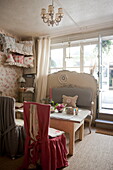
[[7, 164]]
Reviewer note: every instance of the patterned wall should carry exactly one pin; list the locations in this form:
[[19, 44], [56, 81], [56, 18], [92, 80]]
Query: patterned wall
[[8, 78]]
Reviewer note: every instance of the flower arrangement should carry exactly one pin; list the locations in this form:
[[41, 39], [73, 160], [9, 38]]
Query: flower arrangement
[[56, 106], [59, 107]]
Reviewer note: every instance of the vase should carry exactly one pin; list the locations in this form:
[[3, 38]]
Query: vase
[[60, 111]]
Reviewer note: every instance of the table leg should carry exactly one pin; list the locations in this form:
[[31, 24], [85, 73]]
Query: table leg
[[81, 132], [70, 128], [71, 139]]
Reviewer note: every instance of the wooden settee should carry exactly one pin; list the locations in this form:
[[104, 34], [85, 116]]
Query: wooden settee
[[71, 83]]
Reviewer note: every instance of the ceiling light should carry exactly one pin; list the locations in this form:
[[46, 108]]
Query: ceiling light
[[51, 17], [68, 56]]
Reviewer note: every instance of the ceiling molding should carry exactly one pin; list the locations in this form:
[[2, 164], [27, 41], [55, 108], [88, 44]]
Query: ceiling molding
[[73, 30], [83, 35]]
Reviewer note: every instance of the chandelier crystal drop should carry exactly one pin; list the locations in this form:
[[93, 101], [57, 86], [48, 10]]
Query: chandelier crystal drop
[[52, 18]]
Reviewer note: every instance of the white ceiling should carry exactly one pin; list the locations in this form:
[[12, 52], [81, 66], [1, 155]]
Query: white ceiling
[[22, 17]]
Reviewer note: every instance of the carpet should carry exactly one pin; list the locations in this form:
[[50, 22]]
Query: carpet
[[104, 131], [94, 152]]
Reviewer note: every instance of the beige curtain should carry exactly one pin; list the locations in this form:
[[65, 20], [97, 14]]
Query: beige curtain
[[42, 68]]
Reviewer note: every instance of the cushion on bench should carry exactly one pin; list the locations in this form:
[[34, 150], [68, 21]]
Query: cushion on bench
[[84, 95]]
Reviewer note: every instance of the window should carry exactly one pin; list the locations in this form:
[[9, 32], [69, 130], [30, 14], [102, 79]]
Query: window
[[56, 60], [79, 57], [73, 58], [90, 59]]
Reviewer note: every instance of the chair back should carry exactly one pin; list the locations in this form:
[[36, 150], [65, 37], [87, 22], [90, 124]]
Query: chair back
[[10, 134], [0, 93], [51, 152], [7, 112], [36, 120]]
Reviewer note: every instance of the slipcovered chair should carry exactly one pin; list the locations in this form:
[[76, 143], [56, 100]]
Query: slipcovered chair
[[44, 146], [0, 93], [12, 134]]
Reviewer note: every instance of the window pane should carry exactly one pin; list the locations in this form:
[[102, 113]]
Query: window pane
[[55, 70], [90, 58], [74, 69], [86, 69], [90, 55], [73, 57], [111, 65], [107, 63], [56, 60]]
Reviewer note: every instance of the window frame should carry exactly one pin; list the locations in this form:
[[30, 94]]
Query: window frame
[[74, 44]]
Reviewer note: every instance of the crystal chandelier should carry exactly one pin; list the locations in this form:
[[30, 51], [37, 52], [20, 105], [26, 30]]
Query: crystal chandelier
[[51, 18]]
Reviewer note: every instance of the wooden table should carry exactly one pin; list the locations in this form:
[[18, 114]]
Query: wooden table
[[70, 124]]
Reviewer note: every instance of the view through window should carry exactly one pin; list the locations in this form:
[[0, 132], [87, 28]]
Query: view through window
[[79, 58]]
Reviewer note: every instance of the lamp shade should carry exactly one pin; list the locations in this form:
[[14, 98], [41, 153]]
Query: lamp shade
[[21, 80]]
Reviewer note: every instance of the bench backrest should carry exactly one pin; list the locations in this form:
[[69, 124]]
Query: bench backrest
[[84, 95]]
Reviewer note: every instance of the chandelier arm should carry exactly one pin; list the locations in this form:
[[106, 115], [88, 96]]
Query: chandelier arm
[[59, 19], [45, 20]]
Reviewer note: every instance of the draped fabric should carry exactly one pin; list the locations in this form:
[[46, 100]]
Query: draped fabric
[[12, 136], [42, 68], [40, 146], [58, 152], [51, 153]]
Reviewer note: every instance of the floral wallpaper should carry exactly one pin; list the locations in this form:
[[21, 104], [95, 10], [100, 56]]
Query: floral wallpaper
[[9, 78]]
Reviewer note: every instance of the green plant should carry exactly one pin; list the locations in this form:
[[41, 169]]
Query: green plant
[[106, 45]]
